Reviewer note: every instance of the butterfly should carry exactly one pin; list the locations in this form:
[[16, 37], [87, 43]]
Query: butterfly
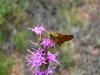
[[59, 38]]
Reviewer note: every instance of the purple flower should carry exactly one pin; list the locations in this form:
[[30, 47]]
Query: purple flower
[[52, 57], [39, 29], [36, 59], [40, 59], [47, 43]]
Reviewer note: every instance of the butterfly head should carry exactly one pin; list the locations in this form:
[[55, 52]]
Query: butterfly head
[[52, 35]]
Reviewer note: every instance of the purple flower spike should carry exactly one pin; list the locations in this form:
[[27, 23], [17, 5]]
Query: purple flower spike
[[40, 58], [47, 43], [39, 29]]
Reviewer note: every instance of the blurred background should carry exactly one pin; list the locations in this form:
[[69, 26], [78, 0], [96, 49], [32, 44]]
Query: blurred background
[[81, 18]]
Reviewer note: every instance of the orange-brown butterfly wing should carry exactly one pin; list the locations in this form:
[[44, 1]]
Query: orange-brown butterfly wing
[[62, 38]]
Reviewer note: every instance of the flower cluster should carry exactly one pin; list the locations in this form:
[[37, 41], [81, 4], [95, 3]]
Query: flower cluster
[[41, 59], [39, 29]]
